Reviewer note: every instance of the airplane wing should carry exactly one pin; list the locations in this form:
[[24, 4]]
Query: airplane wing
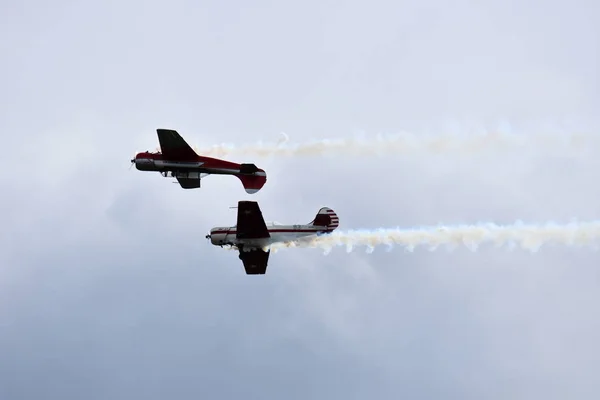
[[189, 183], [173, 146], [250, 222], [255, 261]]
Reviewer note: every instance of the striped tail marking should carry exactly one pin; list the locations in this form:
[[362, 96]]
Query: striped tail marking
[[327, 218]]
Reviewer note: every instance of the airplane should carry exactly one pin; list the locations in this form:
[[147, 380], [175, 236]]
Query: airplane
[[252, 234], [178, 160]]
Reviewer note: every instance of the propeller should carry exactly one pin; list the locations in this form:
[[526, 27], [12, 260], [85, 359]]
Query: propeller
[[132, 162]]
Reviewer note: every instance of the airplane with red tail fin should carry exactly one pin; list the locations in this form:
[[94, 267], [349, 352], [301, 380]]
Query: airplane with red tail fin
[[251, 235], [178, 160]]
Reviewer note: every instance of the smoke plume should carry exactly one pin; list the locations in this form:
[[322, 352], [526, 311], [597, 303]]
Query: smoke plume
[[527, 236], [408, 143]]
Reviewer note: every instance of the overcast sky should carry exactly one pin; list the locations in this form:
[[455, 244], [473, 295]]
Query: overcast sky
[[108, 289]]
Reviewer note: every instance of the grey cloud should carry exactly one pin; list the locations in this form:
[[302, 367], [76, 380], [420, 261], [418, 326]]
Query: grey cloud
[[108, 288]]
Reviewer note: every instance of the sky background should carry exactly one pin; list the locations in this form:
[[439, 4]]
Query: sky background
[[108, 289]]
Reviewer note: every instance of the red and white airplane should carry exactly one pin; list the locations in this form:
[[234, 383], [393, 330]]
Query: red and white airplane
[[251, 235], [178, 160]]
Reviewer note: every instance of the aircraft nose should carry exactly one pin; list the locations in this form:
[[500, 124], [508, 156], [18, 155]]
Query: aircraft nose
[[143, 162], [215, 237], [135, 158]]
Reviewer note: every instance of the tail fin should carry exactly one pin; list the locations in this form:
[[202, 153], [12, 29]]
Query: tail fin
[[327, 218], [253, 183]]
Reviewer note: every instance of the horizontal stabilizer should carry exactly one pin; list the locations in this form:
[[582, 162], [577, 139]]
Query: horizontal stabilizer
[[248, 169]]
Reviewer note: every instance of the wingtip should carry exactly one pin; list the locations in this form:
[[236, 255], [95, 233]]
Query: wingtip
[[165, 130]]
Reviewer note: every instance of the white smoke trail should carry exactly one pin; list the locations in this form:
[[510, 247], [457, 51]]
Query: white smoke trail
[[527, 236], [406, 143]]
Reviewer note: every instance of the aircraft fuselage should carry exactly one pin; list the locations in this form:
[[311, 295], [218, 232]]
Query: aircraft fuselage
[[205, 165], [192, 169], [222, 236]]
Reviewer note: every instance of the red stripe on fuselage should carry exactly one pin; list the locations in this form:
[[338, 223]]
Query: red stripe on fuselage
[[209, 162], [233, 231]]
